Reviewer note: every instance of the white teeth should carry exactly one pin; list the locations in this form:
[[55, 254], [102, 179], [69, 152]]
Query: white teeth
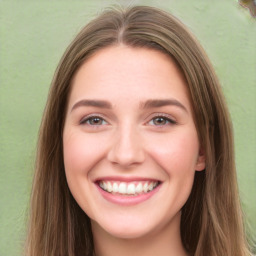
[[131, 188], [138, 188], [109, 187], [122, 188], [115, 187], [145, 187], [150, 187]]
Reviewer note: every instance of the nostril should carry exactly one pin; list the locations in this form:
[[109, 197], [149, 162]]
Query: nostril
[[126, 153]]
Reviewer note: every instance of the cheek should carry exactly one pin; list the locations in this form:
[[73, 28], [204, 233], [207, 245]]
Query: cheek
[[177, 153], [80, 152]]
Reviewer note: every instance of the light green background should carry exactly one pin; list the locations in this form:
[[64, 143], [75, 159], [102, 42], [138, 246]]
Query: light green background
[[34, 35]]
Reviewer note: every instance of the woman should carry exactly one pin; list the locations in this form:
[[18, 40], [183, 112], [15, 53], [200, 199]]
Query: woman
[[135, 154]]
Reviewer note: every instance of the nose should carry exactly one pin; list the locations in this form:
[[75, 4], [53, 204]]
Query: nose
[[126, 149]]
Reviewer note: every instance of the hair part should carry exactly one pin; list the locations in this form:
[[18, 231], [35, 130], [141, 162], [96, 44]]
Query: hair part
[[211, 222]]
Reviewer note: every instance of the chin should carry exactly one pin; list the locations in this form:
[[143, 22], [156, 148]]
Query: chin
[[131, 233], [123, 230]]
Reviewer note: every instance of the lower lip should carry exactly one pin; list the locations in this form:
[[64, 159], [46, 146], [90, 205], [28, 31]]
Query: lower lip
[[127, 200]]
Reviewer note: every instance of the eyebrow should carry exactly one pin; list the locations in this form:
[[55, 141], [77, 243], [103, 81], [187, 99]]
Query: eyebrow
[[156, 103], [92, 103], [163, 102]]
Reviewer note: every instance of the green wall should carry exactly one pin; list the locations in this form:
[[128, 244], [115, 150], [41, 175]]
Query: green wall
[[33, 37]]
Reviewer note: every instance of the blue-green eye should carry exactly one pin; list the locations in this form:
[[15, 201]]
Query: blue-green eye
[[94, 121], [161, 121]]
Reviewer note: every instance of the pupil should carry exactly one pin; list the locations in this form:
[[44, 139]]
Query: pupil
[[95, 120], [159, 120]]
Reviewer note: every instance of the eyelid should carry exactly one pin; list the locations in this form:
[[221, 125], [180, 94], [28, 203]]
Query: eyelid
[[168, 117], [87, 117]]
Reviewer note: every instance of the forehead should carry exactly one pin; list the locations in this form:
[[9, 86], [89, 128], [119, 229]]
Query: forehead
[[131, 73]]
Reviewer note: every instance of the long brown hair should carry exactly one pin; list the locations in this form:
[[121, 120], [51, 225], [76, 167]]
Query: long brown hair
[[211, 222]]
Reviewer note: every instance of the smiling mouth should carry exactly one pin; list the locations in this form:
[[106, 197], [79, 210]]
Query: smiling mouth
[[134, 188]]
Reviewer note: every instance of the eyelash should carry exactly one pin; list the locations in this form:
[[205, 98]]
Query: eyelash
[[166, 118], [90, 118]]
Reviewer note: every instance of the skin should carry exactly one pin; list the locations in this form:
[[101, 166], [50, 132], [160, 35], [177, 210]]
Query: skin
[[128, 140]]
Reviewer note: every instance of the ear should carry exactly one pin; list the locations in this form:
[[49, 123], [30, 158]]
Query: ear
[[200, 164]]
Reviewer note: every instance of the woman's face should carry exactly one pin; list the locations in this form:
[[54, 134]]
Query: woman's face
[[130, 144]]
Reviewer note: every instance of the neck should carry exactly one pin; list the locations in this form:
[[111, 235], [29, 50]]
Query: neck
[[164, 242]]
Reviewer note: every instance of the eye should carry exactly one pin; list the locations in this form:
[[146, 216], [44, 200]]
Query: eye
[[94, 121], [161, 121]]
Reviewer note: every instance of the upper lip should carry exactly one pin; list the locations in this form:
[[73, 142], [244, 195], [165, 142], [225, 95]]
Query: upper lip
[[125, 179]]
